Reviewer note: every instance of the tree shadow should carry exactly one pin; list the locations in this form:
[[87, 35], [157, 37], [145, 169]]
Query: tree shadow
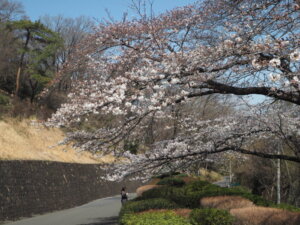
[[104, 221]]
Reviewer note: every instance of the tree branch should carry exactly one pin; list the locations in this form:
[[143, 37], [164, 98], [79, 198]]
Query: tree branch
[[267, 91]]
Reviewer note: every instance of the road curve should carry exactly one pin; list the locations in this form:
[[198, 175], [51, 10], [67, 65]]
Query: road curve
[[223, 183], [99, 212]]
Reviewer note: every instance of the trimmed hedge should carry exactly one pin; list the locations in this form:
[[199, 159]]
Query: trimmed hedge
[[211, 217], [172, 181], [143, 205], [190, 194], [199, 185], [164, 175], [182, 175], [154, 218], [286, 207]]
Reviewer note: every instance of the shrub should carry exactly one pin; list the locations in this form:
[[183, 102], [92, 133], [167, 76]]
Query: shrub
[[182, 175], [142, 205], [284, 217], [211, 217], [256, 199], [4, 100], [174, 194], [211, 190], [265, 216], [154, 218], [172, 181], [140, 190], [164, 175], [199, 185], [161, 192], [180, 212], [189, 195], [225, 202], [210, 176], [241, 189], [286, 207], [188, 180], [183, 212]]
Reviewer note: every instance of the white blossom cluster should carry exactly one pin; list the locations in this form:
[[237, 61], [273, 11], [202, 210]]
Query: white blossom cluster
[[207, 139], [137, 66]]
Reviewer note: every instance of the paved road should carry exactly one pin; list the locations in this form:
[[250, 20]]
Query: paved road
[[223, 183], [100, 212]]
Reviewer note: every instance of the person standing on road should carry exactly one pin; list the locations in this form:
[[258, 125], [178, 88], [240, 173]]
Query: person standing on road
[[124, 196]]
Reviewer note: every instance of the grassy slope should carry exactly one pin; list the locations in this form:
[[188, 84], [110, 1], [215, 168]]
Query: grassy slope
[[28, 140]]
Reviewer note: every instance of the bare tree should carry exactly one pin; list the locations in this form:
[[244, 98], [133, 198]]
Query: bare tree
[[11, 10], [72, 31]]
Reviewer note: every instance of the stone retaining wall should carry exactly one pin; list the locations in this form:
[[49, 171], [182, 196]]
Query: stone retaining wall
[[34, 187]]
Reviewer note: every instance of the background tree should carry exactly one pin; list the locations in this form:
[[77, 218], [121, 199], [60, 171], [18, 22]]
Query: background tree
[[72, 31], [39, 46], [9, 11]]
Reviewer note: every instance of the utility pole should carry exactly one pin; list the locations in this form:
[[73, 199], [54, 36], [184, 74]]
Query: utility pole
[[278, 175], [230, 172]]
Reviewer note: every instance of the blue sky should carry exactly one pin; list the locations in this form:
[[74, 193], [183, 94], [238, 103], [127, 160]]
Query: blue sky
[[92, 8]]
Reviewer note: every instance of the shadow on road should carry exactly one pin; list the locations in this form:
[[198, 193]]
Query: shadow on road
[[104, 221]]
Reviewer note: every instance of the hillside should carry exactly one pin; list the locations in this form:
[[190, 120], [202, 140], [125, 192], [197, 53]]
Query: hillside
[[29, 140]]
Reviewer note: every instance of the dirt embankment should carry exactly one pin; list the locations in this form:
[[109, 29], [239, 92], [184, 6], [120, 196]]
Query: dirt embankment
[[29, 140]]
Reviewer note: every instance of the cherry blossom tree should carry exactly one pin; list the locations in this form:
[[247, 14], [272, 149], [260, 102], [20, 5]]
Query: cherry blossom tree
[[140, 68], [212, 139]]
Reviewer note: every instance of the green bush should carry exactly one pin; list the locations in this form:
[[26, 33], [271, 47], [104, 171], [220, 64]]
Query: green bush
[[200, 190], [286, 207], [211, 217], [213, 190], [256, 199], [160, 192], [186, 196], [182, 175], [190, 194], [164, 175], [175, 194], [199, 185], [4, 100], [154, 218], [142, 205], [172, 181], [241, 189]]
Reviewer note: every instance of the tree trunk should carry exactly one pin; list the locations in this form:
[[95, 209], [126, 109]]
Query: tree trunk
[[278, 179], [18, 80], [21, 64]]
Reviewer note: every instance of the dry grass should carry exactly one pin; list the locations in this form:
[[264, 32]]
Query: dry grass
[[183, 212], [189, 179], [154, 181], [140, 190], [225, 202], [180, 212], [265, 216], [28, 140], [210, 176]]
